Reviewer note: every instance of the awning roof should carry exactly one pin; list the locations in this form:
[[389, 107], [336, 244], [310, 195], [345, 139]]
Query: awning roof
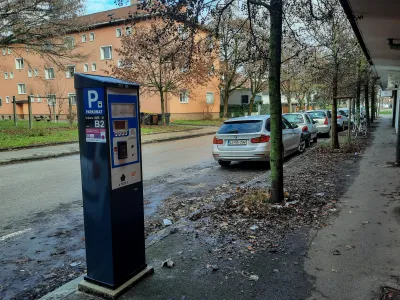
[[374, 22]]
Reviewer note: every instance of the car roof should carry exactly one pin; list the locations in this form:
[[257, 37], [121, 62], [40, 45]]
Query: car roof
[[249, 118]]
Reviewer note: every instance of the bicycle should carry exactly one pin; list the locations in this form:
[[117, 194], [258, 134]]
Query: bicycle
[[360, 129]]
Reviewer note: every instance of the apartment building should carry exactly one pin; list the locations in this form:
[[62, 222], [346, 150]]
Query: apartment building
[[24, 74]]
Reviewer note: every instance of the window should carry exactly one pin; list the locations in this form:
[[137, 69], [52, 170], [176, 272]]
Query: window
[[209, 98], [308, 119], [21, 88], [39, 98], [286, 124], [72, 99], [294, 118], [182, 32], [47, 46], [119, 63], [238, 127], [36, 72], [245, 99], [51, 99], [83, 38], [70, 42], [70, 71], [32, 98], [105, 52], [85, 67], [11, 75], [30, 73], [4, 51], [128, 30], [118, 32], [49, 73], [9, 51], [7, 99], [91, 36], [94, 67], [184, 97], [1, 102], [5, 75]]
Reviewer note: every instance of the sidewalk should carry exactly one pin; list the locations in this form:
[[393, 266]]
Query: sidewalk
[[70, 149], [365, 235]]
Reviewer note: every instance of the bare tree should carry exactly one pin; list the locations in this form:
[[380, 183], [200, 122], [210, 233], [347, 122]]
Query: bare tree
[[40, 27], [164, 60]]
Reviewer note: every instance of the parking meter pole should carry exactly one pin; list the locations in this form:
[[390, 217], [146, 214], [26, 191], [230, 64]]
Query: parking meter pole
[[30, 112], [15, 111], [112, 183]]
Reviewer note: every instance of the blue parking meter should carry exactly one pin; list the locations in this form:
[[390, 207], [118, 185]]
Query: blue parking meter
[[112, 185]]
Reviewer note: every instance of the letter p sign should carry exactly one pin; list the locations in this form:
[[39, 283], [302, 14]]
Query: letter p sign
[[93, 97]]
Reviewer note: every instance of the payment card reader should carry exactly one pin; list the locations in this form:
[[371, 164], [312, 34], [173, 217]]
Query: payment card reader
[[112, 184]]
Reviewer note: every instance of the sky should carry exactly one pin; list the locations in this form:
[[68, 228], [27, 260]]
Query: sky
[[93, 6]]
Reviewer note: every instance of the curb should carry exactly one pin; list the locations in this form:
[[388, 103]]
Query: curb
[[43, 157]]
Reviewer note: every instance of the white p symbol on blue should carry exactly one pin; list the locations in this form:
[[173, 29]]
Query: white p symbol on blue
[[92, 97]]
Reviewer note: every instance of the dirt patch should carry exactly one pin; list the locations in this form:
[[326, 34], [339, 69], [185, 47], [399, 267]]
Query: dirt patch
[[390, 294]]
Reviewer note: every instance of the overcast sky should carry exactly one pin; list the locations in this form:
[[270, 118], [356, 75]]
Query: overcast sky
[[93, 6]]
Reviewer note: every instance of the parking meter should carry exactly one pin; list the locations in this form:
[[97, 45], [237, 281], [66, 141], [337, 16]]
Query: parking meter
[[112, 185]]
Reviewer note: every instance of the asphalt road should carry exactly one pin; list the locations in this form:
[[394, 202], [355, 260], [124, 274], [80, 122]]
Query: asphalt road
[[42, 185]]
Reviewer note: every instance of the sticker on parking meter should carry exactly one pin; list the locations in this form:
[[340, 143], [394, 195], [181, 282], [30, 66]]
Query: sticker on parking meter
[[93, 99], [96, 135]]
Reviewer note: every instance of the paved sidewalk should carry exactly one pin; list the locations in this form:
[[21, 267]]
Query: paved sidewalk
[[69, 149]]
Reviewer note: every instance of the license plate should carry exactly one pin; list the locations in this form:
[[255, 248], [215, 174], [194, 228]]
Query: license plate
[[237, 142]]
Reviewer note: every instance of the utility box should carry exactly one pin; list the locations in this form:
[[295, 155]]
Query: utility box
[[112, 184]]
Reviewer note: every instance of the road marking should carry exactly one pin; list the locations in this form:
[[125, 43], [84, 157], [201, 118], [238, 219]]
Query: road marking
[[7, 236]]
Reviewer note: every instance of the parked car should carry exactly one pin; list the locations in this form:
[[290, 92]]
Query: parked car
[[306, 125], [343, 114], [339, 121], [323, 121], [247, 139]]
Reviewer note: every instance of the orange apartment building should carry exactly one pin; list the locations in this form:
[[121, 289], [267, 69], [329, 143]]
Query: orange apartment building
[[24, 74]]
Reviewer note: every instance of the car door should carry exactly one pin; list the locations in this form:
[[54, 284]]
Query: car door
[[312, 127], [290, 138]]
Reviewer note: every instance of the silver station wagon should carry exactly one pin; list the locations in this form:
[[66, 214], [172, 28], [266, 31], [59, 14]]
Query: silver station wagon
[[247, 139]]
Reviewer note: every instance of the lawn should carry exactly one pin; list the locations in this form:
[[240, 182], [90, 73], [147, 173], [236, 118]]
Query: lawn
[[385, 112], [44, 133], [214, 122]]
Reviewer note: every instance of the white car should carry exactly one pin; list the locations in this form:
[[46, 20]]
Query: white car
[[247, 139], [306, 124], [323, 121]]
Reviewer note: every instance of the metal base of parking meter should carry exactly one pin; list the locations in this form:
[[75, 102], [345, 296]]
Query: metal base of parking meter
[[112, 185]]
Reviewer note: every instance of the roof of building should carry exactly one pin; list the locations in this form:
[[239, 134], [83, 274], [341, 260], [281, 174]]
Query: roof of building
[[112, 15]]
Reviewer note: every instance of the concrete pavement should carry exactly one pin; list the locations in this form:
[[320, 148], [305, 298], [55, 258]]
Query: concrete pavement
[[38, 153]]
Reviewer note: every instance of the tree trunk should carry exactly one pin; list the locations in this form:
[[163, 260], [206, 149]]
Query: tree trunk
[[226, 100], [373, 101], [275, 50], [334, 133], [289, 101], [162, 108], [358, 92], [366, 85], [251, 104]]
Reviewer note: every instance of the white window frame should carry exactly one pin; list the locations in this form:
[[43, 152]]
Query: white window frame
[[68, 71], [49, 96], [4, 51], [70, 42], [39, 98], [21, 88], [184, 97], [5, 75], [209, 94], [83, 38], [69, 100], [32, 98], [128, 30], [102, 52], [86, 67], [36, 72], [118, 32], [11, 75], [91, 36], [94, 67], [30, 73], [119, 63], [46, 73], [7, 99], [9, 51]]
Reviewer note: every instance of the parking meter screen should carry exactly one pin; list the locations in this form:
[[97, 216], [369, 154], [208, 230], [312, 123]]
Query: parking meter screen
[[123, 110], [120, 125]]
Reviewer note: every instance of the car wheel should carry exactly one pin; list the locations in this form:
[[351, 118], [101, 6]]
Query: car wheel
[[343, 127], [302, 145], [224, 163], [308, 142], [315, 139]]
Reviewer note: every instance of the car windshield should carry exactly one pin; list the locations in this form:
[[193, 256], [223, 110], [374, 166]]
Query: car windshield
[[294, 118], [341, 112], [246, 126], [317, 114]]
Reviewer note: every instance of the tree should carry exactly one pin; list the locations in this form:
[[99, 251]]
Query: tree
[[164, 59], [40, 27]]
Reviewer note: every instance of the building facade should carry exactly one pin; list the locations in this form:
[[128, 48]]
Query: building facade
[[24, 74]]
